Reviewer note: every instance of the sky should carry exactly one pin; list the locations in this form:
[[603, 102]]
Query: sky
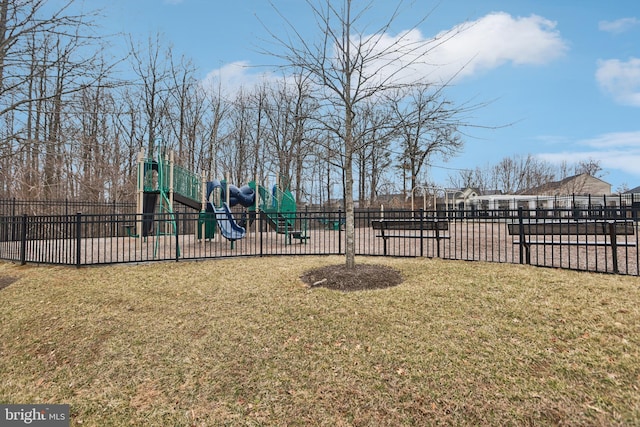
[[561, 78]]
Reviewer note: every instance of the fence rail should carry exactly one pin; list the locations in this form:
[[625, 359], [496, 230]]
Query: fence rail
[[503, 236]]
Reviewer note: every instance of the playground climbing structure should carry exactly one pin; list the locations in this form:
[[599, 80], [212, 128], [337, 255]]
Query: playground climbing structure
[[161, 183]]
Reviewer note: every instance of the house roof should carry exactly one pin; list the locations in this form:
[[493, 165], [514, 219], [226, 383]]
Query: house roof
[[635, 190], [559, 185]]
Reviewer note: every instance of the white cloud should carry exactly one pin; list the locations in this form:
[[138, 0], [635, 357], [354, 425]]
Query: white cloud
[[615, 139], [234, 76], [499, 38], [621, 80], [616, 150], [625, 161], [618, 26], [479, 46], [487, 43]]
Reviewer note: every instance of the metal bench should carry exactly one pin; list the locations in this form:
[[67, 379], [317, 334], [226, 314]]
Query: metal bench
[[393, 228], [582, 233]]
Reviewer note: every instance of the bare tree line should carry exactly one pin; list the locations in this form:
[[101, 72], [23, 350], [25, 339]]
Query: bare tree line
[[519, 173], [71, 126]]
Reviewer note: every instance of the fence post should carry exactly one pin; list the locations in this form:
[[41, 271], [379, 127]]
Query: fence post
[[613, 239], [176, 222], [115, 220], [422, 233], [78, 238], [523, 246], [23, 241], [261, 218], [339, 231], [14, 225]]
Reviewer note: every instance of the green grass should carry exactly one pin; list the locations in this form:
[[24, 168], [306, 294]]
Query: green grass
[[244, 342]]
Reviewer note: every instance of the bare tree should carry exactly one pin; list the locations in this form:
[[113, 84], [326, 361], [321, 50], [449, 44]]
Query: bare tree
[[375, 129], [510, 175], [214, 132], [236, 154], [129, 126], [349, 66], [37, 42], [472, 178], [287, 114], [187, 108], [261, 104], [324, 166], [44, 61], [427, 127], [519, 173], [153, 71], [591, 167]]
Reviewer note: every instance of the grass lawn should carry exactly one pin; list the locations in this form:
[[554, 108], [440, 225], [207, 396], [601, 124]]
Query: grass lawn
[[245, 342]]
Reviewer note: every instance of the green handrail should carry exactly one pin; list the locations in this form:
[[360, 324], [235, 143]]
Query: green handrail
[[185, 182]]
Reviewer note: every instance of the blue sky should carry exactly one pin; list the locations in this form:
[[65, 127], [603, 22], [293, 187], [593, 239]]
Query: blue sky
[[564, 75]]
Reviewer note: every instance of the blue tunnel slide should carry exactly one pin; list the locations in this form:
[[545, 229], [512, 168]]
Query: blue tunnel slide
[[244, 196]]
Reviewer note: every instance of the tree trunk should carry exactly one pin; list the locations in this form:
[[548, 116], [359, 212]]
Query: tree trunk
[[350, 247]]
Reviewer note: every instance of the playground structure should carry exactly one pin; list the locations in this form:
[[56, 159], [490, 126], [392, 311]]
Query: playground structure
[[161, 183]]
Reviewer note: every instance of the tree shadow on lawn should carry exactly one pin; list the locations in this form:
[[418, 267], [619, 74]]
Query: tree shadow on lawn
[[362, 277]]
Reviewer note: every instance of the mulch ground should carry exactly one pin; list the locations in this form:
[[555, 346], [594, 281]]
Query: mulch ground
[[362, 277]]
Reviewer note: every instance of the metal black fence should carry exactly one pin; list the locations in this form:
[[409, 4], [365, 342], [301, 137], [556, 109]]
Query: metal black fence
[[15, 207], [572, 239]]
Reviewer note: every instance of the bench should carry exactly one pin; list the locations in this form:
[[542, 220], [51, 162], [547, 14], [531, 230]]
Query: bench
[[301, 235], [572, 234], [393, 228], [332, 224], [130, 230]]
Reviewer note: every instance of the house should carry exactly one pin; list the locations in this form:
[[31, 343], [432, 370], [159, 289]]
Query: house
[[392, 201], [458, 198], [635, 190], [579, 185], [575, 191]]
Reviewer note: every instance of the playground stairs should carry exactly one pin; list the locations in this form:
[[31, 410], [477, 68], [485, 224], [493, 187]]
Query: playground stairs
[[278, 222], [279, 207], [282, 224]]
